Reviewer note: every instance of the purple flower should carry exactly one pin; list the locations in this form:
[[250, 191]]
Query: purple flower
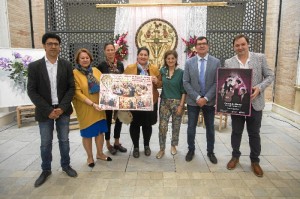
[[26, 60], [17, 55], [4, 63]]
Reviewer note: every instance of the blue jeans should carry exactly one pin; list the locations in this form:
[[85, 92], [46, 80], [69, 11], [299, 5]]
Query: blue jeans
[[46, 132], [209, 118]]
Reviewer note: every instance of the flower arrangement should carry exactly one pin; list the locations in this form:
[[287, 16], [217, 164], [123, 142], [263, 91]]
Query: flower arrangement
[[121, 47], [190, 46], [17, 68]]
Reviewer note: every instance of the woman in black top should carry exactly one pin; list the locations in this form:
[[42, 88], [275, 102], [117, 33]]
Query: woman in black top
[[111, 65]]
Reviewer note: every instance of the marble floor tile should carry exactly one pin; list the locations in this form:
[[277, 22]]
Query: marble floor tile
[[147, 177]]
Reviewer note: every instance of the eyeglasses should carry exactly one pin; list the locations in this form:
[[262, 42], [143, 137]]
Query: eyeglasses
[[201, 44], [50, 44]]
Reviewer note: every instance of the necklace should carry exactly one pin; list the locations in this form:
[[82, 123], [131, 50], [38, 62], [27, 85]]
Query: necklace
[[168, 74]]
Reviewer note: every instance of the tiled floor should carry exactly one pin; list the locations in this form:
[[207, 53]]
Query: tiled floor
[[148, 177]]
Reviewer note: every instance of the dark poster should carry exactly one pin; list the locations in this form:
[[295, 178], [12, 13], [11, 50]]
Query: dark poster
[[233, 91]]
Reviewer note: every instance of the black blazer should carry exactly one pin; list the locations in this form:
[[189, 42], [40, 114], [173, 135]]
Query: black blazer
[[39, 90]]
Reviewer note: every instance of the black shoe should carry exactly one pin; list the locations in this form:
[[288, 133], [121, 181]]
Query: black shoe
[[112, 150], [189, 156], [91, 164], [43, 177], [105, 159], [120, 148], [70, 172], [136, 153], [147, 151], [212, 158]]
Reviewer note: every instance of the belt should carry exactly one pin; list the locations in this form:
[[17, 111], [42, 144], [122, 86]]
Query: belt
[[55, 106], [172, 99]]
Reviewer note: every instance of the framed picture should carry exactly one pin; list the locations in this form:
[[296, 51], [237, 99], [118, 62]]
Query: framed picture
[[233, 91], [126, 92]]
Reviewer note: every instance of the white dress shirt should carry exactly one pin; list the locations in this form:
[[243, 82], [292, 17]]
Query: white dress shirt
[[52, 73], [246, 65]]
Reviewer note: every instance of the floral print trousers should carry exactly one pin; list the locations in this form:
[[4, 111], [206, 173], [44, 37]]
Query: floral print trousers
[[168, 108]]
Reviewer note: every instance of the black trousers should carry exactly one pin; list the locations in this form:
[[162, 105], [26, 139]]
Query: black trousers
[[135, 134], [118, 126], [253, 124]]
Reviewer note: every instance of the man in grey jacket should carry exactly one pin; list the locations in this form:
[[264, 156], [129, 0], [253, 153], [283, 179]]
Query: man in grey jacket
[[199, 81], [262, 76]]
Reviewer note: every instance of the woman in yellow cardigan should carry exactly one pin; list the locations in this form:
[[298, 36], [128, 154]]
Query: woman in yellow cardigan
[[92, 120], [144, 118]]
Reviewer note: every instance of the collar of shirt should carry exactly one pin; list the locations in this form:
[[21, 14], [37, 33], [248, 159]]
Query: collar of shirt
[[205, 57], [48, 62], [246, 65]]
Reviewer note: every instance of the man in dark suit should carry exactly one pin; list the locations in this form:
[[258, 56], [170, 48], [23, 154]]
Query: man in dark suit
[[262, 76], [199, 81], [51, 88]]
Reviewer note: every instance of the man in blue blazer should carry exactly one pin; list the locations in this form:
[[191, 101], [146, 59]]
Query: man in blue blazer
[[51, 88], [199, 81], [262, 76]]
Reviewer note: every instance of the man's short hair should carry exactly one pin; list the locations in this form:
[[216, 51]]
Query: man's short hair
[[240, 36], [50, 35], [201, 38]]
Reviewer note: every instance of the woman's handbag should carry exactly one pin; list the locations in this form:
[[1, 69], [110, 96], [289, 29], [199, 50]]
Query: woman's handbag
[[125, 116]]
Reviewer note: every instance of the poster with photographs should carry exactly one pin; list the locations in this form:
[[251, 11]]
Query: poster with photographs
[[233, 91], [126, 92]]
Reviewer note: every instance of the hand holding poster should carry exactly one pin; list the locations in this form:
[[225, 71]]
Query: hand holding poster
[[233, 91], [126, 92]]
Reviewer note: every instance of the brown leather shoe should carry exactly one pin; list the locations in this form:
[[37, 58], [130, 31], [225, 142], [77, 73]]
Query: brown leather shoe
[[232, 163], [257, 169]]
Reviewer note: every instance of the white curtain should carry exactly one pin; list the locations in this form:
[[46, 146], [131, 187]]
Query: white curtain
[[188, 21]]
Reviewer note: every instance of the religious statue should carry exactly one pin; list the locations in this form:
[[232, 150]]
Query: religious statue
[[158, 36]]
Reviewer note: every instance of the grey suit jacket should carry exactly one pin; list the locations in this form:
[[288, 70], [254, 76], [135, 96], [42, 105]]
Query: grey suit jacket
[[191, 80], [39, 90], [262, 75]]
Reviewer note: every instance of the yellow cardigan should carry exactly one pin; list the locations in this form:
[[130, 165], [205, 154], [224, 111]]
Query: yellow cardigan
[[154, 71], [86, 114]]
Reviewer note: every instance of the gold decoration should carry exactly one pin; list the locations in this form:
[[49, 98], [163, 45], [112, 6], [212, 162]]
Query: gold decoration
[[158, 36]]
